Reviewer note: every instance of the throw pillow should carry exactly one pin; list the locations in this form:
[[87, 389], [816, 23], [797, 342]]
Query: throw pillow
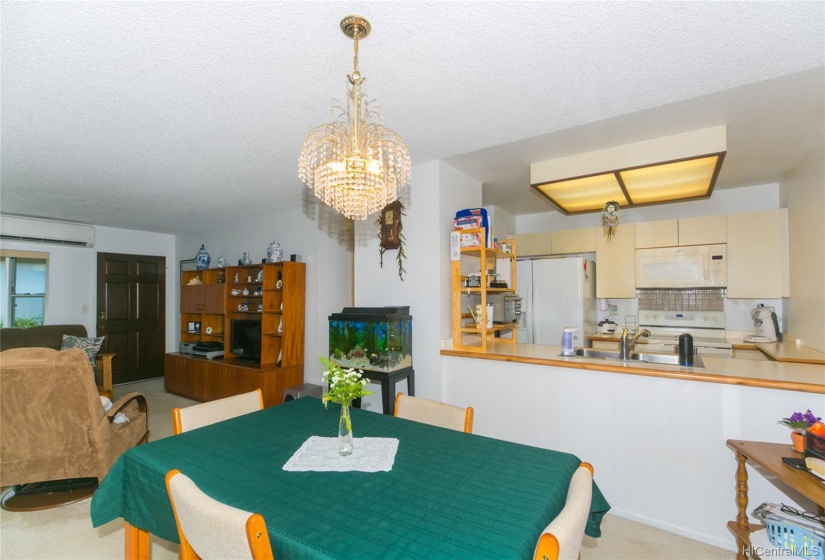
[[89, 345]]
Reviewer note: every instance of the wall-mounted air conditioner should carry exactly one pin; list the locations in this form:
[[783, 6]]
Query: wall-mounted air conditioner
[[15, 228]]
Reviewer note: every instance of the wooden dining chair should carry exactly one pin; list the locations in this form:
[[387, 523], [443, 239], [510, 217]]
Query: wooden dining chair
[[562, 539], [434, 413], [199, 415], [211, 529]]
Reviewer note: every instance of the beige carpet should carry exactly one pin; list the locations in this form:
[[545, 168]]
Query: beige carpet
[[66, 532]]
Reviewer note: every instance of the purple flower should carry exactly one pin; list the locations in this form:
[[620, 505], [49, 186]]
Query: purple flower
[[800, 421]]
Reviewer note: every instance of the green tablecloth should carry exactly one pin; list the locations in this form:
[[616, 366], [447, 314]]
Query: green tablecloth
[[448, 495]]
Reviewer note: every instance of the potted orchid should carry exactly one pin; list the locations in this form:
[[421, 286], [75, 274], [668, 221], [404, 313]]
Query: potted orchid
[[345, 386], [799, 422]]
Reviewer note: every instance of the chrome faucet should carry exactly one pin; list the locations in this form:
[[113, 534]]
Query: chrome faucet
[[626, 346]]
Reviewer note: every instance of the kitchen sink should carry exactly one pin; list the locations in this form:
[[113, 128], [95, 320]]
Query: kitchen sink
[[669, 359], [648, 357], [595, 353]]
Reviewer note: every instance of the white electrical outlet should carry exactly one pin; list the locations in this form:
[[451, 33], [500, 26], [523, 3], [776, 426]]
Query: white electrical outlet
[[84, 307], [455, 253]]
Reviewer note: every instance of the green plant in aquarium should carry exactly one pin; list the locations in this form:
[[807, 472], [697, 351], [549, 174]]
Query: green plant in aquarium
[[337, 339], [370, 337]]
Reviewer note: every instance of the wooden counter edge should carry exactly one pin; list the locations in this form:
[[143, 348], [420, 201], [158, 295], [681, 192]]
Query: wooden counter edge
[[649, 371]]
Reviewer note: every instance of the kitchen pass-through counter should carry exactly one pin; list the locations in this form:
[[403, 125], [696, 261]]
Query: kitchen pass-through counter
[[792, 376], [654, 433]]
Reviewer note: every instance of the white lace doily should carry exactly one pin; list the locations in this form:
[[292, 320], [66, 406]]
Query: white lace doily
[[321, 454]]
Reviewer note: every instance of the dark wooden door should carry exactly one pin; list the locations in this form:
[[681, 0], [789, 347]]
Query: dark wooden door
[[131, 314]]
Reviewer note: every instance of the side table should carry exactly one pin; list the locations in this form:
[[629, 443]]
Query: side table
[[769, 457], [388, 381]]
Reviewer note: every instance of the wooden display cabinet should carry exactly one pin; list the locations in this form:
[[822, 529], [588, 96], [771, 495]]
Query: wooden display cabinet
[[284, 313], [202, 305], [467, 335], [279, 306]]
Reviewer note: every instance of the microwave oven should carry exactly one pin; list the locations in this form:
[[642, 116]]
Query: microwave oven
[[506, 307], [696, 266]]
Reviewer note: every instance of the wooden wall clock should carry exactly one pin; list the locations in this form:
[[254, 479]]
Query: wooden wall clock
[[391, 225]]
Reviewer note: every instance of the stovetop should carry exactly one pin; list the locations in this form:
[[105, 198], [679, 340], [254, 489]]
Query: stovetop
[[706, 327]]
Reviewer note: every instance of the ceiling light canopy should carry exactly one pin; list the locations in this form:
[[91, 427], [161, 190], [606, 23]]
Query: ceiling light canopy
[[355, 165], [674, 168]]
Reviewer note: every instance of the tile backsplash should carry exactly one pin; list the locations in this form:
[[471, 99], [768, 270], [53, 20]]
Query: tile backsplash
[[692, 299]]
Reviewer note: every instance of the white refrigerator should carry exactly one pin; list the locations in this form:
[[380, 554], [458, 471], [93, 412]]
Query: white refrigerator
[[556, 293]]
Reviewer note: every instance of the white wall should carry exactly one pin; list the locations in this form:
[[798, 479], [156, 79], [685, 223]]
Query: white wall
[[319, 235], [657, 445], [727, 201], [72, 274], [503, 222], [437, 191], [804, 193]]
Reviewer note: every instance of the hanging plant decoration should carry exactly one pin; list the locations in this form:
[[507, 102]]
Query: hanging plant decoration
[[390, 235], [610, 218]]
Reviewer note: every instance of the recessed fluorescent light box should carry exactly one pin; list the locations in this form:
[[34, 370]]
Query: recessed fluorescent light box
[[671, 169]]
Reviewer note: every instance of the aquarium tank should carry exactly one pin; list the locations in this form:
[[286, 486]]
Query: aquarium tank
[[371, 338]]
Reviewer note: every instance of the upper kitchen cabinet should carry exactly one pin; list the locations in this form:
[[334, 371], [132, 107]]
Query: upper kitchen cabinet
[[616, 263], [535, 244], [572, 241], [701, 230], [758, 255], [661, 233], [564, 242]]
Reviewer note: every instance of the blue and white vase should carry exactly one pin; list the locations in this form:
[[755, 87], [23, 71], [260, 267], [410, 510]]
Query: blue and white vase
[[274, 253], [245, 260], [202, 259]]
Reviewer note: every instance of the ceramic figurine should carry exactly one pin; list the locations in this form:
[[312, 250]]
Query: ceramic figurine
[[243, 306], [221, 262], [202, 259], [274, 253]]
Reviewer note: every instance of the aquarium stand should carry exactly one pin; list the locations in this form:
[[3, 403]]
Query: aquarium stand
[[388, 381]]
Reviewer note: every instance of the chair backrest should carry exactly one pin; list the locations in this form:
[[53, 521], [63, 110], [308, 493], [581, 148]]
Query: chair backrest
[[434, 413], [199, 415], [53, 423], [562, 539], [211, 529]]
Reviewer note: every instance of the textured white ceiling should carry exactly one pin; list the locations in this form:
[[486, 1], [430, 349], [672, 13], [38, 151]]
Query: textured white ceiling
[[169, 116]]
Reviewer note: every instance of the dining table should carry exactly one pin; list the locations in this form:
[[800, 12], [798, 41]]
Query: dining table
[[447, 494]]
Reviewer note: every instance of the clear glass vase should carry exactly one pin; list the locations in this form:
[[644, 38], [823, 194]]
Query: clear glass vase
[[345, 431]]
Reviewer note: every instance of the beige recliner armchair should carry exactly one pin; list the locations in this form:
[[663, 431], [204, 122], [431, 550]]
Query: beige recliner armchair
[[53, 427]]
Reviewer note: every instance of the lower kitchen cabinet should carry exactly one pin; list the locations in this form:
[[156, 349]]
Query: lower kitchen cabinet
[[206, 380]]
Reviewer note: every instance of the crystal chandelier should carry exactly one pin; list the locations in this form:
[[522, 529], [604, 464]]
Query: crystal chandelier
[[355, 165]]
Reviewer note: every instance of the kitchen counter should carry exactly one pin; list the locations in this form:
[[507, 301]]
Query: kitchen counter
[[791, 352], [778, 351], [805, 377]]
